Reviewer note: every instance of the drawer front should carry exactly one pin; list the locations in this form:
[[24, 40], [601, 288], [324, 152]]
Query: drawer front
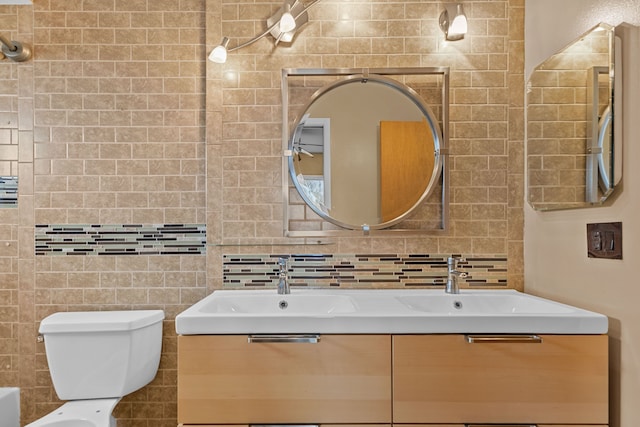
[[226, 379], [313, 425], [448, 379], [494, 425], [434, 425]]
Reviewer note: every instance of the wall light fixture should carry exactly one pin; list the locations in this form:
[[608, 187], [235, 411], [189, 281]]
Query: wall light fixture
[[453, 21], [282, 26]]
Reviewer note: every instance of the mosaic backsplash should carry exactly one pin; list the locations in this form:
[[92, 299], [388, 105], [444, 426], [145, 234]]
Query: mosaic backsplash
[[8, 191], [128, 239], [366, 270]]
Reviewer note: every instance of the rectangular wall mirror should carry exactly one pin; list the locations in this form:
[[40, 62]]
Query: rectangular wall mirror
[[574, 124]]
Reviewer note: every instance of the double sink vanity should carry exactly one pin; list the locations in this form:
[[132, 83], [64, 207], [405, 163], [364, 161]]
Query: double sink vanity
[[407, 358], [390, 357]]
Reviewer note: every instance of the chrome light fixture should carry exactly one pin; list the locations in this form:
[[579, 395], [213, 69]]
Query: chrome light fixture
[[287, 21], [453, 22], [219, 53], [282, 26], [14, 50]]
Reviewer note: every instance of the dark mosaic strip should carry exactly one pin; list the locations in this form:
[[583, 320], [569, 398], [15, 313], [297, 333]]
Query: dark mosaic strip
[[127, 239], [362, 270], [8, 191]]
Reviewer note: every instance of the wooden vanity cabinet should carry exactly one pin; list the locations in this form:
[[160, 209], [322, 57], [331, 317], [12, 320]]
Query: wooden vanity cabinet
[[446, 379], [400, 381], [226, 379]]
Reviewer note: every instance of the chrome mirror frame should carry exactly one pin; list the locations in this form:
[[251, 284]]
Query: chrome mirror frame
[[379, 74]]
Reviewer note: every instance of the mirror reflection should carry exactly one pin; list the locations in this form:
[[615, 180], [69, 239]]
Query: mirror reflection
[[571, 143], [364, 152]]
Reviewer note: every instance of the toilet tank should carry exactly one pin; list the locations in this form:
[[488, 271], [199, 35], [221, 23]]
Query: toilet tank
[[102, 354]]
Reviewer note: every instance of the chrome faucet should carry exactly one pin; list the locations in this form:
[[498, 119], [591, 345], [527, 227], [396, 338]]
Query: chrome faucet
[[283, 282], [452, 276]]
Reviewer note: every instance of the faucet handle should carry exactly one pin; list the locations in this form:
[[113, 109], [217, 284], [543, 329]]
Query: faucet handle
[[283, 282], [452, 261], [283, 264], [452, 264]]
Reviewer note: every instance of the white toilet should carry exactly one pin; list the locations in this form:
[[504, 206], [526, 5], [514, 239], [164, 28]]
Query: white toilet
[[95, 358]]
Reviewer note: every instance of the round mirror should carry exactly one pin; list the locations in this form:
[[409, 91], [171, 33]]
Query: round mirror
[[365, 152]]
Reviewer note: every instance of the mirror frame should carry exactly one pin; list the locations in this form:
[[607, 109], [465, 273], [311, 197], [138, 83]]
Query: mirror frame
[[347, 75]]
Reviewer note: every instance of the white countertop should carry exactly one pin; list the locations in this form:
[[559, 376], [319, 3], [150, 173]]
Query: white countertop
[[371, 311]]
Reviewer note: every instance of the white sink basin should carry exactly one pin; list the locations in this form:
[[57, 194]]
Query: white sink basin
[[342, 311], [466, 303], [273, 304]]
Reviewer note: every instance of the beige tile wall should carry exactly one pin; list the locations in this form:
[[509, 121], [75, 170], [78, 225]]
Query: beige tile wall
[[112, 112], [16, 111], [244, 113]]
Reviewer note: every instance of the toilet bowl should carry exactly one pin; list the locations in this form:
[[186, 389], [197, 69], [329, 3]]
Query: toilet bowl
[[80, 413], [95, 359]]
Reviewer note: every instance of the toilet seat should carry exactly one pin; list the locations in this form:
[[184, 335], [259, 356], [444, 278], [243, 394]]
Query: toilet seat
[[80, 413]]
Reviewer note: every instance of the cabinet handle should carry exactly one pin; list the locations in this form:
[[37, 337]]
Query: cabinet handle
[[303, 339], [285, 425], [478, 339], [501, 425]]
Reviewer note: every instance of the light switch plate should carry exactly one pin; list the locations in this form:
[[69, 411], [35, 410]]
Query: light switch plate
[[604, 240]]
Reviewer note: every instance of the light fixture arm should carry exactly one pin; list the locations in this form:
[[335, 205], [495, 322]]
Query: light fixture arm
[[270, 28], [253, 40], [8, 43]]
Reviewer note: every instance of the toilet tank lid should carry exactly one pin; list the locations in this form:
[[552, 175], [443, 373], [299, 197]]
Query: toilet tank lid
[[99, 321]]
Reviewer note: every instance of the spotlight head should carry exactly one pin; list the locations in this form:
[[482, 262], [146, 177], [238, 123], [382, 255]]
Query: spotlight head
[[219, 53], [453, 22]]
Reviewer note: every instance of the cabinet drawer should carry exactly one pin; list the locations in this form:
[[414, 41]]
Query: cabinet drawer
[[226, 379], [434, 425], [494, 425], [446, 379], [322, 425]]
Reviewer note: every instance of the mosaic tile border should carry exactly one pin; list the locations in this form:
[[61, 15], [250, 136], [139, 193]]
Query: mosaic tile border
[[127, 239], [363, 270], [8, 191]]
